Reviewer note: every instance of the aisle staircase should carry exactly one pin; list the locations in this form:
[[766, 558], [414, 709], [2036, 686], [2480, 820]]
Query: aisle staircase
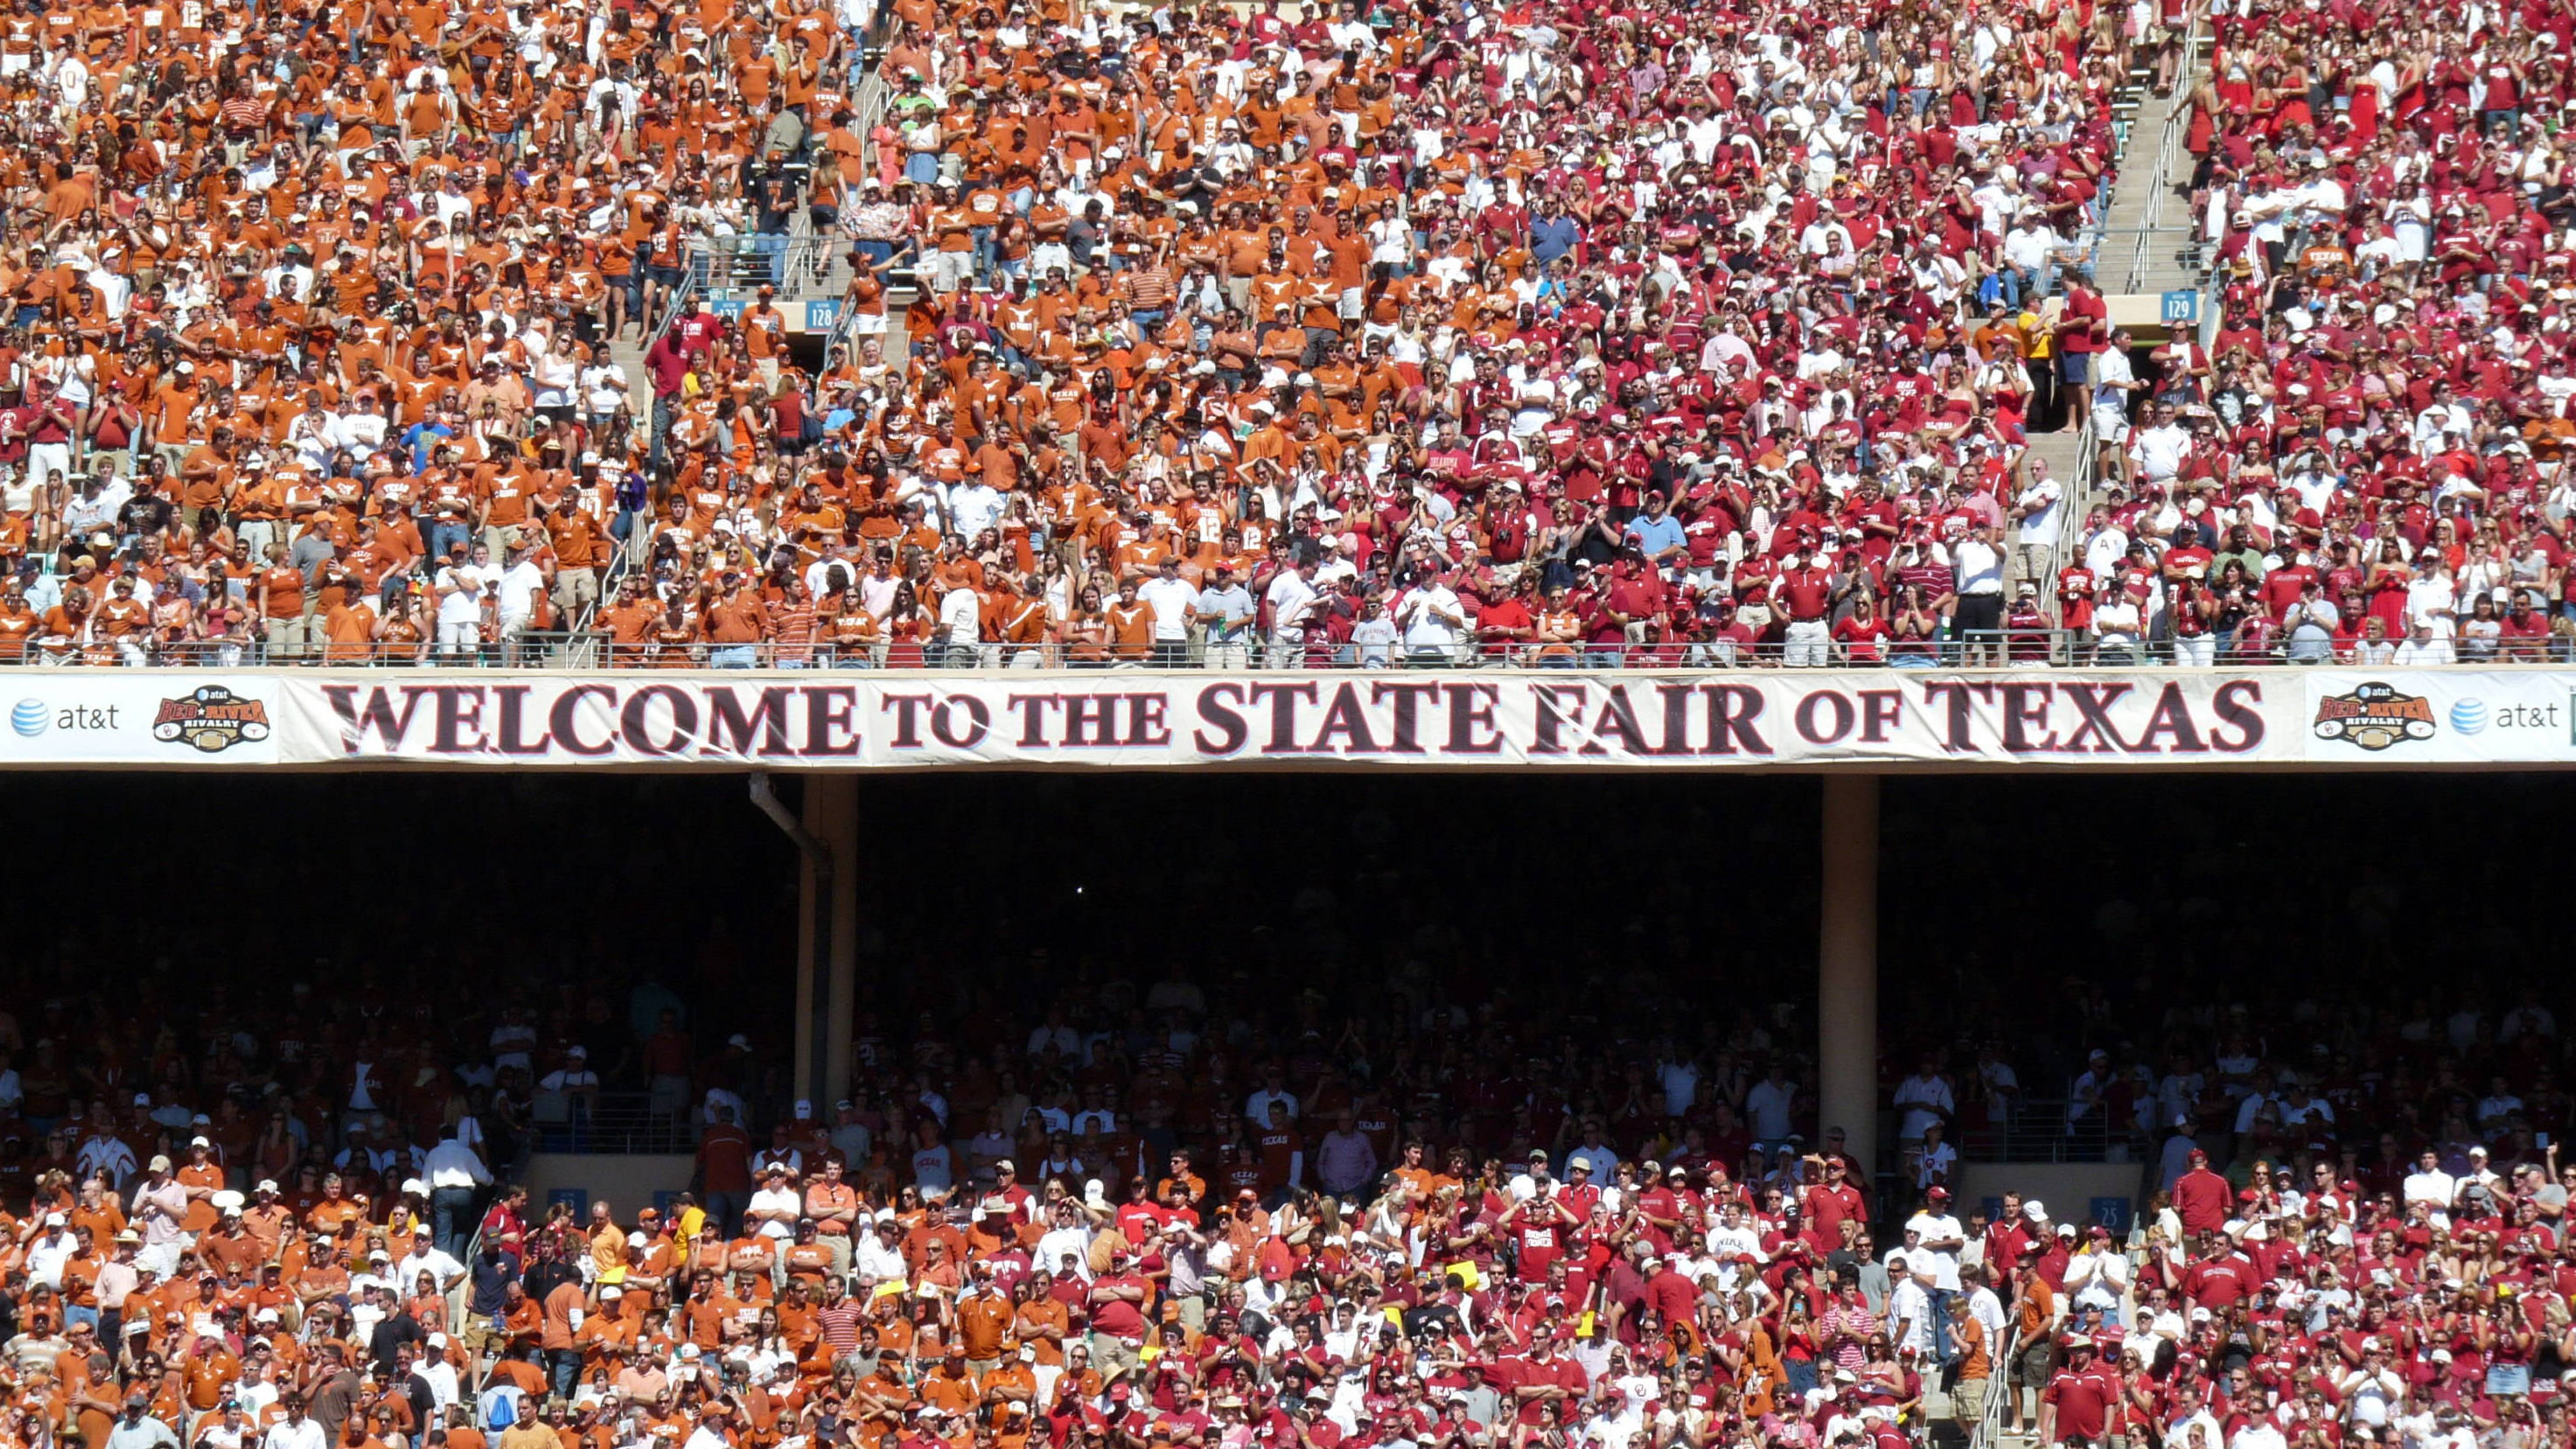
[[2147, 245], [2150, 237]]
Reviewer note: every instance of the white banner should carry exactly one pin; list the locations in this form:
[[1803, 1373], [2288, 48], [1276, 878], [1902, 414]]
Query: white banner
[[1474, 719], [1409, 719], [138, 717], [2441, 716]]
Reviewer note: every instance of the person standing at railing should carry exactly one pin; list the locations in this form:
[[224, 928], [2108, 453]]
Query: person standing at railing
[[959, 640], [1434, 621], [1173, 602], [1225, 611], [518, 598], [1292, 600], [735, 625], [628, 622], [791, 626], [1804, 593], [463, 586], [281, 589], [348, 630], [1977, 565]]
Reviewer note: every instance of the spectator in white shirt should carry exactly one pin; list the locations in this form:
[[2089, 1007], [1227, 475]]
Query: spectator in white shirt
[[455, 1173], [1433, 620], [775, 1208], [1172, 600], [2160, 448], [1924, 1098]]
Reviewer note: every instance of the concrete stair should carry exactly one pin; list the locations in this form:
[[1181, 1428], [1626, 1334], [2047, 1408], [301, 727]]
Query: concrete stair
[[2062, 450], [2152, 182], [2145, 248], [628, 354]]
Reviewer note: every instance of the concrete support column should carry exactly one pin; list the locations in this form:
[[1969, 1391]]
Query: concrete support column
[[1847, 966], [827, 905]]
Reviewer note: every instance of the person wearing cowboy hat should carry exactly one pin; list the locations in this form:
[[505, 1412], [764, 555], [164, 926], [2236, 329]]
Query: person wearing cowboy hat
[[2075, 1407]]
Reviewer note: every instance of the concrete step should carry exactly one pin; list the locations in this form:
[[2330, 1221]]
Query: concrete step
[[629, 357], [2063, 451], [2151, 181]]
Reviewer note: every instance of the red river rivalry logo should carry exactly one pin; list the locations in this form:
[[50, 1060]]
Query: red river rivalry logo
[[210, 718], [2374, 716]]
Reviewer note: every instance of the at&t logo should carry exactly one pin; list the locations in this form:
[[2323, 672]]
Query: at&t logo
[[33, 717], [2476, 716]]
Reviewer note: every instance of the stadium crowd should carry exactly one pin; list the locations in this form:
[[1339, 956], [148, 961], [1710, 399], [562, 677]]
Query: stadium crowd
[[1137, 1216], [1560, 333], [2365, 461], [1565, 332]]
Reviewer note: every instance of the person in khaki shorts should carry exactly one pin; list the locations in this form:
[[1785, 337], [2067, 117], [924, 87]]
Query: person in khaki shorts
[[1976, 1366], [2035, 1307]]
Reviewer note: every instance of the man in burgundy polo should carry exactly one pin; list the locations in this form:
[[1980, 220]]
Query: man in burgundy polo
[[2075, 1408], [1118, 1299], [1833, 1201], [1804, 594], [1633, 599], [2224, 1278], [1542, 1384], [2083, 331], [2014, 1234], [2201, 1197]]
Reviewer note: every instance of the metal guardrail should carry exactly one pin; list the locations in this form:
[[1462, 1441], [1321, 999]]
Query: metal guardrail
[[2081, 490], [2142, 242], [2055, 647], [2038, 1131], [730, 266], [593, 648], [531, 649], [2077, 508], [607, 1124], [1999, 1382], [2168, 139], [867, 110], [596, 648]]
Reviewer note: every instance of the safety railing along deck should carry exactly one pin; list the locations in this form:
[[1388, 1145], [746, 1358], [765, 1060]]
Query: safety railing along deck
[[2043, 1129], [608, 1123], [609, 648]]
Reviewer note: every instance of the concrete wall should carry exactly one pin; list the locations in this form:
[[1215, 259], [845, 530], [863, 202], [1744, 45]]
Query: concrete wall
[[627, 1181], [2074, 1192]]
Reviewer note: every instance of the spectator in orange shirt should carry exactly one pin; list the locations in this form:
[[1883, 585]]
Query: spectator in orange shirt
[[1131, 626], [736, 623]]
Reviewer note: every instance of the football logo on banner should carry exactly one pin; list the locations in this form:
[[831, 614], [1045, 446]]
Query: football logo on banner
[[2374, 716]]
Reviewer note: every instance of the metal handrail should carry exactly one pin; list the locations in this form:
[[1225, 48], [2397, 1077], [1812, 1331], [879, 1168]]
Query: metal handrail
[[867, 109], [2186, 78], [2078, 506], [460, 1298], [673, 305], [612, 1124], [1998, 1383], [596, 648], [2038, 1131]]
